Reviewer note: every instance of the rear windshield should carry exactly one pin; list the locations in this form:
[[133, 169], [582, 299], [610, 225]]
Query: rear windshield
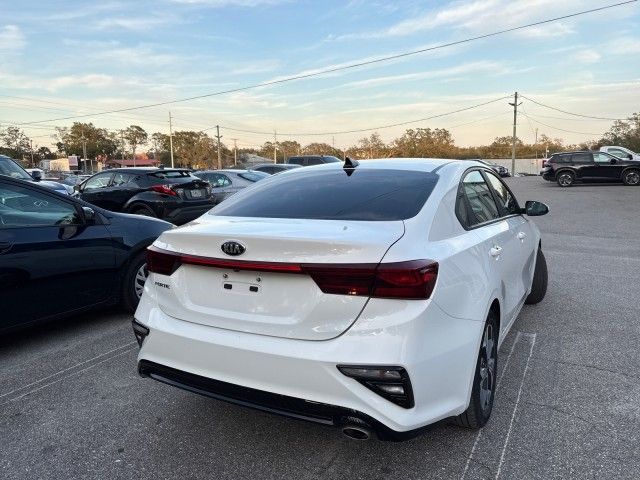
[[372, 195], [253, 176]]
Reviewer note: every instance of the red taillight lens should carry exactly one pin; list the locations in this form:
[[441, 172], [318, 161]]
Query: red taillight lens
[[165, 189], [414, 279], [343, 279], [162, 262]]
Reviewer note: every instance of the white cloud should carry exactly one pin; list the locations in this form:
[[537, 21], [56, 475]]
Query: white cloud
[[464, 69], [11, 38], [483, 16], [136, 56], [132, 23], [91, 80], [250, 68], [587, 56], [231, 3], [624, 46], [554, 30]]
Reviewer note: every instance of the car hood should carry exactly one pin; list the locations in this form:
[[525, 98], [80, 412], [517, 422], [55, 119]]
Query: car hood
[[53, 185]]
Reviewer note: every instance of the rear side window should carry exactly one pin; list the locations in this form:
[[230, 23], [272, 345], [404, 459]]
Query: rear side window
[[371, 195], [314, 161], [581, 158], [296, 160], [479, 201]]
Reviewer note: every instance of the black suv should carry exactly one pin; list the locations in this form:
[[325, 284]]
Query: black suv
[[172, 194], [308, 160], [566, 168]]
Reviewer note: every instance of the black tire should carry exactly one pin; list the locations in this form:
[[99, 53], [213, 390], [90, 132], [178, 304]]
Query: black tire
[[631, 177], [540, 279], [131, 282], [143, 210], [565, 178], [478, 412]]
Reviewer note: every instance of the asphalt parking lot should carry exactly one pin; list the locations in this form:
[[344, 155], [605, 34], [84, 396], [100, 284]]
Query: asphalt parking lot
[[567, 406]]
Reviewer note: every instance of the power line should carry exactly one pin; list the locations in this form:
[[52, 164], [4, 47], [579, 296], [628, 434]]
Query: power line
[[561, 129], [359, 130], [570, 113], [346, 67]]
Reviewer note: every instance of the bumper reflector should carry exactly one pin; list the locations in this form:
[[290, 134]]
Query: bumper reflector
[[140, 331], [391, 383]]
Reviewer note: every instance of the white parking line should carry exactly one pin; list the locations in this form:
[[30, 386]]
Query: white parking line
[[127, 347], [479, 434], [515, 408]]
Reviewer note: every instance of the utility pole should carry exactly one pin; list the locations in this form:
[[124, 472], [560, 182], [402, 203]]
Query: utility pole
[[235, 151], [513, 141], [84, 151], [218, 136], [32, 153], [171, 139], [275, 146], [122, 140]]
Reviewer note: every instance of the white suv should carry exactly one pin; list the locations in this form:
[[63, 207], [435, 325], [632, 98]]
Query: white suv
[[369, 296]]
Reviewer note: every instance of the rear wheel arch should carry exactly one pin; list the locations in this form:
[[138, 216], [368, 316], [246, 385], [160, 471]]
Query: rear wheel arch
[[495, 309]]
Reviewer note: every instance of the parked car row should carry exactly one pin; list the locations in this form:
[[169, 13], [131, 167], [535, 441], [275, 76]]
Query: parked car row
[[568, 168]]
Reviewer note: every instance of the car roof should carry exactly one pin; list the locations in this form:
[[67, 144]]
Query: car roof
[[144, 170], [417, 164], [279, 165], [576, 151]]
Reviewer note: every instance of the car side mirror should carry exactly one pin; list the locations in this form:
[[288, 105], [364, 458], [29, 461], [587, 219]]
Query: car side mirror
[[89, 215], [613, 160], [629, 156], [36, 175], [535, 209]]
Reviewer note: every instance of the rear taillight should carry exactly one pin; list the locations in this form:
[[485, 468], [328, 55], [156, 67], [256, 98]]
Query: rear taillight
[[165, 189], [414, 279], [161, 261], [544, 163]]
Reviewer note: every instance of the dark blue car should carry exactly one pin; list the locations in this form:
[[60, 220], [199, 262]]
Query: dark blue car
[[10, 168], [60, 255]]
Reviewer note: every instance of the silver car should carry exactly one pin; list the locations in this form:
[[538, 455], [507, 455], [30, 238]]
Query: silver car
[[225, 183]]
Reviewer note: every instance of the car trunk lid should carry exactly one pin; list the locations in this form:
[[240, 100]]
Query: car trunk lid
[[287, 303]]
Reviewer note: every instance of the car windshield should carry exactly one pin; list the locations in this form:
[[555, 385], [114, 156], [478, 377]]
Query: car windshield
[[254, 176], [372, 195], [9, 168]]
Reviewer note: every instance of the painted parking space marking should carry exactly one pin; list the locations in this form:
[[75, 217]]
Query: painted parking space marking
[[33, 387]]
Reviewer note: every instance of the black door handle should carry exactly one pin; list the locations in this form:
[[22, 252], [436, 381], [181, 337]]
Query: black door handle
[[5, 247]]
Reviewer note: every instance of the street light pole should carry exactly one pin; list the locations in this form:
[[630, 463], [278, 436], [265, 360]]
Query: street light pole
[[171, 139]]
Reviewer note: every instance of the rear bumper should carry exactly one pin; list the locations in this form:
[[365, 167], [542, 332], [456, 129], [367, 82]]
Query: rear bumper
[[291, 407], [438, 351], [548, 174], [185, 212]]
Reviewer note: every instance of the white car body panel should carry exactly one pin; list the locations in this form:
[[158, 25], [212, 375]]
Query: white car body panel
[[283, 345]]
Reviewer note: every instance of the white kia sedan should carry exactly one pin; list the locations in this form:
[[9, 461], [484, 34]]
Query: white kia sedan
[[372, 296]]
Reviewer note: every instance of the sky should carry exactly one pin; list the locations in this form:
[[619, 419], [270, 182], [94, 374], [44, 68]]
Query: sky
[[61, 58]]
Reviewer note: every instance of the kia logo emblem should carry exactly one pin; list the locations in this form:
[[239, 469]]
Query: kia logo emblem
[[232, 248]]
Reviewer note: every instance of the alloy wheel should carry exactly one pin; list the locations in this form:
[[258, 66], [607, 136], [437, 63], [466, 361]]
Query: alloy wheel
[[565, 179], [632, 178], [140, 279], [487, 375]]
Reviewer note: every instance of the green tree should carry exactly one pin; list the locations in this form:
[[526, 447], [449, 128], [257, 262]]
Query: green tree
[[98, 141], [134, 136], [625, 133], [14, 142]]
